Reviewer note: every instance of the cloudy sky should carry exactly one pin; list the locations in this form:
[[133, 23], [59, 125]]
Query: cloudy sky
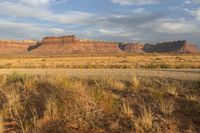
[[112, 20]]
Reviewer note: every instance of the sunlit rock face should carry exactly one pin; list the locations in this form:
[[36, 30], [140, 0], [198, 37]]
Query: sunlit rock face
[[71, 45], [15, 47]]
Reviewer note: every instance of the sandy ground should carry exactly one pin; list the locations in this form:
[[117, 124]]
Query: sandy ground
[[182, 74]]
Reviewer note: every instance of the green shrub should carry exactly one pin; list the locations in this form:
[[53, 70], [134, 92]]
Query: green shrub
[[165, 66], [16, 77], [152, 66]]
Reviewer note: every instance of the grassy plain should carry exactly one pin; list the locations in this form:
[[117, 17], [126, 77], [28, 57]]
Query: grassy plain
[[151, 61], [140, 94], [60, 104]]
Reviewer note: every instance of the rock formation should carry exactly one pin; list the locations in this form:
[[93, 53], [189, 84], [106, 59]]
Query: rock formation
[[71, 45], [132, 47], [15, 47], [59, 40], [171, 47]]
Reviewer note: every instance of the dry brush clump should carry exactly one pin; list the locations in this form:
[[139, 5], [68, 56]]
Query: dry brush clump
[[43, 104], [167, 106], [144, 122]]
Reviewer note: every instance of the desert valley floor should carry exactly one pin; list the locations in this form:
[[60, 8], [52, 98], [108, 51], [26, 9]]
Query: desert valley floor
[[154, 93]]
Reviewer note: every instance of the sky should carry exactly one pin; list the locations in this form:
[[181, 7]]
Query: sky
[[110, 20]]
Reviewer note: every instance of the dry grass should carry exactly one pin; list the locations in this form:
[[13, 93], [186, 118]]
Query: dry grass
[[1, 124], [62, 104], [144, 122], [167, 106], [193, 98], [51, 108], [104, 61], [135, 84], [172, 90], [117, 85], [127, 111]]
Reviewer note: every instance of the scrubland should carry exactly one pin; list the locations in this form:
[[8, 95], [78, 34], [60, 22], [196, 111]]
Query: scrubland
[[60, 104], [151, 61]]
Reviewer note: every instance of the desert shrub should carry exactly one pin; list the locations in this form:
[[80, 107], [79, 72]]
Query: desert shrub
[[165, 66], [152, 65], [115, 84], [15, 110], [157, 94], [16, 77]]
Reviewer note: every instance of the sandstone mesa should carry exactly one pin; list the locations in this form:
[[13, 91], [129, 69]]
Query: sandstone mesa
[[71, 45]]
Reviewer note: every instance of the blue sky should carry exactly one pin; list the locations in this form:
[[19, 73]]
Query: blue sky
[[111, 20]]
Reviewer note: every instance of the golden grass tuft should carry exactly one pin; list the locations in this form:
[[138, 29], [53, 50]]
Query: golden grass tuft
[[115, 84], [171, 89], [135, 84], [119, 85], [167, 106], [127, 111], [144, 122], [51, 108], [192, 98]]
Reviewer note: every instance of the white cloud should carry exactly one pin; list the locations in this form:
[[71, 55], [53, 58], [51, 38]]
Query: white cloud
[[188, 2], [19, 10], [12, 29], [171, 26], [195, 13], [109, 32], [134, 2], [56, 31], [39, 2], [175, 27], [35, 2], [135, 24], [193, 1], [195, 20]]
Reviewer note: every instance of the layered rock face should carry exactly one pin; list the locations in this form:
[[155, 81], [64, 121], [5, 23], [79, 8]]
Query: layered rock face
[[171, 47], [132, 48], [15, 47], [59, 40], [71, 45]]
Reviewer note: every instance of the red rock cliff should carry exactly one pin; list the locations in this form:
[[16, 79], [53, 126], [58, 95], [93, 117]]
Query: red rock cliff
[[58, 40], [71, 45], [13, 47]]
